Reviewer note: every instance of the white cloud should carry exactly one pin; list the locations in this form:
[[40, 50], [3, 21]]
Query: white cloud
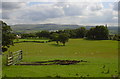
[[67, 12], [40, 12]]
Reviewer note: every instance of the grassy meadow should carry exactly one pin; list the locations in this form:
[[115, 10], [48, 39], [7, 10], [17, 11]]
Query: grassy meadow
[[101, 57]]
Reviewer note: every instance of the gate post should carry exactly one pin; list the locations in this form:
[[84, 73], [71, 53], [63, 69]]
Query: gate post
[[9, 59], [21, 54]]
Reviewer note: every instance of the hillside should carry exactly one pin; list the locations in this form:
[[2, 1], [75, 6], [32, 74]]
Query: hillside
[[38, 27], [26, 28]]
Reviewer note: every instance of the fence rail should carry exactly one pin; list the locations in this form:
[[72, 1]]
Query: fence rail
[[14, 57]]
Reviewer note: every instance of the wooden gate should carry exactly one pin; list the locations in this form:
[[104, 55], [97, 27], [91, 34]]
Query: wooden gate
[[14, 57]]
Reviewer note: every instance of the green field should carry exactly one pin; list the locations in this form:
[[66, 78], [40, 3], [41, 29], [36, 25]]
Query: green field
[[98, 53]]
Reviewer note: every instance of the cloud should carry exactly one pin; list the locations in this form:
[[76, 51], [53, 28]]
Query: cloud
[[66, 12], [96, 6], [41, 12], [12, 5], [10, 8], [71, 9]]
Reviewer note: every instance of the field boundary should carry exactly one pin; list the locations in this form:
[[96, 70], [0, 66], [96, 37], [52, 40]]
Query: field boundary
[[33, 41]]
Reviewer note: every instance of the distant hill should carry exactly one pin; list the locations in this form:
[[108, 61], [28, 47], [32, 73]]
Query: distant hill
[[27, 28], [38, 27]]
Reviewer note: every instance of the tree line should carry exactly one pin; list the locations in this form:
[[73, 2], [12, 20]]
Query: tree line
[[95, 33]]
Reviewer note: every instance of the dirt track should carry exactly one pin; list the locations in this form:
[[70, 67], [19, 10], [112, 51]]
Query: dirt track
[[53, 62]]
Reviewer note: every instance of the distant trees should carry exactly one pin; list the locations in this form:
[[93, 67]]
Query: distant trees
[[44, 33], [90, 34], [71, 32], [28, 35], [76, 33], [7, 36], [95, 33], [80, 32], [98, 33]]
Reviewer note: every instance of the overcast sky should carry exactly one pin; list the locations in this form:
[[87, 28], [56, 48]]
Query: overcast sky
[[87, 13]]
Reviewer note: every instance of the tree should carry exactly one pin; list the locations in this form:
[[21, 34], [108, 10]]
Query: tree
[[71, 32], [101, 32], [55, 37], [90, 34], [63, 38], [98, 33], [44, 33], [80, 32], [7, 35], [24, 35]]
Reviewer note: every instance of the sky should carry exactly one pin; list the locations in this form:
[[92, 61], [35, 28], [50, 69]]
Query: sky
[[82, 13]]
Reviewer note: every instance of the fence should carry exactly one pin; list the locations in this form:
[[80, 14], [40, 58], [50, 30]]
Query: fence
[[14, 57]]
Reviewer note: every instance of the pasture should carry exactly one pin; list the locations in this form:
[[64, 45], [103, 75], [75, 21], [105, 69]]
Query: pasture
[[101, 57]]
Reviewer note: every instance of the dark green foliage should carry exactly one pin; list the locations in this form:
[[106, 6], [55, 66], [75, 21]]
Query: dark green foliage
[[98, 33], [76, 33], [90, 34], [7, 35], [71, 32], [63, 38], [25, 35], [80, 32], [44, 33], [55, 37], [28, 35]]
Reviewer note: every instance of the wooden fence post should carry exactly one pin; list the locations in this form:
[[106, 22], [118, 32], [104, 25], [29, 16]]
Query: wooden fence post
[[9, 59], [21, 54]]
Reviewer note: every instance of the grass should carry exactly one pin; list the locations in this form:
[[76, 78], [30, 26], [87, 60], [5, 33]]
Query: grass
[[97, 53]]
